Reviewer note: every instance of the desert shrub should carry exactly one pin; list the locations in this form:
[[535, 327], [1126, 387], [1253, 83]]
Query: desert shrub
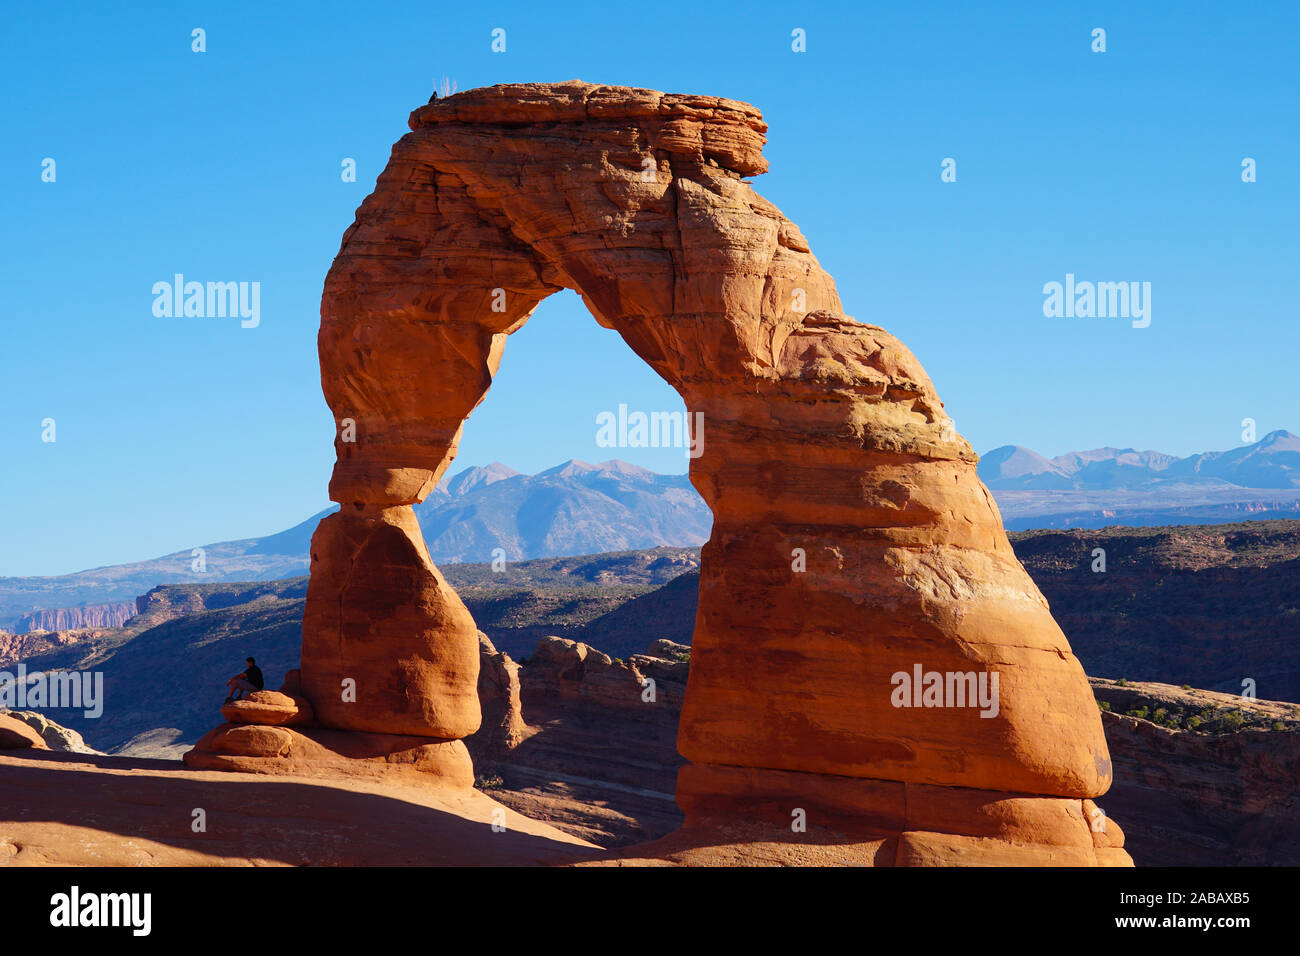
[[1121, 683], [1104, 705], [488, 781], [1140, 712]]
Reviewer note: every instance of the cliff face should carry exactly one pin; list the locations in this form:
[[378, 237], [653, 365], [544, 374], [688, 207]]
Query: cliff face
[[581, 740], [16, 647], [170, 602], [1205, 606], [1226, 798], [576, 711], [114, 614]]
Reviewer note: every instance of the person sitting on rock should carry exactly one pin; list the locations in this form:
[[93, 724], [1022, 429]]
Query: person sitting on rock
[[246, 682]]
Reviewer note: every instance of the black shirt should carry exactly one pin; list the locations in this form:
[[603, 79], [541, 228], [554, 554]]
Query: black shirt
[[254, 676]]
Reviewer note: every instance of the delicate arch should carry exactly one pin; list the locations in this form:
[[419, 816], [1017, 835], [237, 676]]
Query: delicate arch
[[821, 435]]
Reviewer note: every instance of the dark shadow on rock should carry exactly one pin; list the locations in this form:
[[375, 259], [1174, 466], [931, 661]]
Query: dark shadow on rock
[[271, 819]]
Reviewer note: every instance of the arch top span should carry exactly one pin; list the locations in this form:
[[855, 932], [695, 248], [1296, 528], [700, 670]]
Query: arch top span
[[499, 197], [702, 129]]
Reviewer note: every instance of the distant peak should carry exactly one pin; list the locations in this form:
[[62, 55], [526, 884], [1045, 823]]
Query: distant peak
[[474, 476], [623, 467], [614, 466], [571, 467]]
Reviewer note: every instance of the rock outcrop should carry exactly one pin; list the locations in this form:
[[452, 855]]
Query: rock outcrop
[[581, 740], [577, 712], [17, 647], [276, 732], [53, 735], [16, 734], [269, 707], [852, 544]]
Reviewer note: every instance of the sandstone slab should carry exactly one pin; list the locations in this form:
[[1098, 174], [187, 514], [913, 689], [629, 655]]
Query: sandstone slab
[[318, 752], [18, 735], [268, 707]]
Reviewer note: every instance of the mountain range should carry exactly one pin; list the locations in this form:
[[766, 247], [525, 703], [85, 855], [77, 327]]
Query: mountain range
[[578, 508], [574, 508], [1273, 462], [1124, 486]]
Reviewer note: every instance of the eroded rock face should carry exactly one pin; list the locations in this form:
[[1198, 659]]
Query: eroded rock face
[[54, 736], [17, 735], [387, 647], [268, 707], [852, 540], [577, 711], [318, 752]]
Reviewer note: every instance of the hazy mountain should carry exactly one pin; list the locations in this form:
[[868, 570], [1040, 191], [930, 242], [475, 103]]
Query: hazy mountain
[[1012, 466], [1124, 486], [574, 508], [1273, 462], [579, 508]]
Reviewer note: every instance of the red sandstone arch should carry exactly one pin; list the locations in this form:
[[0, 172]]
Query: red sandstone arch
[[821, 434]]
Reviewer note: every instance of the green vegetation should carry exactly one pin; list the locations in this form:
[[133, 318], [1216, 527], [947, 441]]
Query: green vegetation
[[1199, 717]]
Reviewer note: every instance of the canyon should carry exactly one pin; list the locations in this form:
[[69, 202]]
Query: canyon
[[571, 738], [852, 540]]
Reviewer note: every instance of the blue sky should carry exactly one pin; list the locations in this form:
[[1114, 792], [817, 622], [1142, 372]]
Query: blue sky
[[225, 165]]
